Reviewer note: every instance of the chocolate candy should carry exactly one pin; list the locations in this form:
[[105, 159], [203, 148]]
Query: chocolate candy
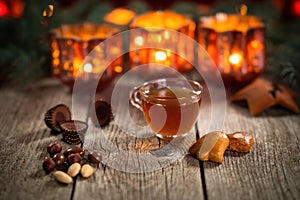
[[103, 113], [74, 158], [48, 165], [95, 157], [56, 115], [73, 150], [59, 159], [73, 130], [54, 148]]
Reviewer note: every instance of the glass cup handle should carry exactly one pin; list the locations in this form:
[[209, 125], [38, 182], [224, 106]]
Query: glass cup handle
[[135, 99]]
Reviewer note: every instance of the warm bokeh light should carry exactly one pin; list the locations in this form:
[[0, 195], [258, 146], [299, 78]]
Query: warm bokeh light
[[243, 9], [88, 68], [297, 7], [160, 56], [119, 16], [139, 41], [235, 59], [48, 12], [118, 69], [3, 8], [256, 45]]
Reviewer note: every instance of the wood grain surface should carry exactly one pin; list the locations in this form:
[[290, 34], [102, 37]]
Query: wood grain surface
[[270, 171]]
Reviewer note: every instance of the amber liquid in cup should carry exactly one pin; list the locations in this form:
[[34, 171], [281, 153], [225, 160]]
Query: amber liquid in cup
[[170, 108]]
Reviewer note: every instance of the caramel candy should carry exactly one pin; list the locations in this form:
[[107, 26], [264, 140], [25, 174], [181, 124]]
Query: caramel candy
[[240, 141], [210, 147]]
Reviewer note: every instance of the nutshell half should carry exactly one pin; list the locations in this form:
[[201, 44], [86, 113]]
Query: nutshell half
[[73, 131], [55, 115]]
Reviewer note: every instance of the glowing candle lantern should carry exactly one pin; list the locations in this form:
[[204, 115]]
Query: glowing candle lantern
[[236, 43], [70, 44], [154, 31]]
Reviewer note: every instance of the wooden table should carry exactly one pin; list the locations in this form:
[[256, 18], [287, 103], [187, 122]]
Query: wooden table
[[270, 171]]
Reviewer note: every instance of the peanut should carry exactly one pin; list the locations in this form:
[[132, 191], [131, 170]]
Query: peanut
[[62, 177], [86, 170], [74, 169]]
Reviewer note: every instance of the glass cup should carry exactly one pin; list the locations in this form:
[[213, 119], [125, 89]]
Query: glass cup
[[170, 105]]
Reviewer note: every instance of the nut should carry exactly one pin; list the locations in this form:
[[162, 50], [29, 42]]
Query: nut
[[74, 169], [62, 177], [54, 148], [48, 165], [210, 147], [95, 157], [74, 149], [59, 159], [240, 141], [86, 170], [74, 158]]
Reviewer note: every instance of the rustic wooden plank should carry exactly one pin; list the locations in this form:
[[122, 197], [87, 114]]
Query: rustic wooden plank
[[180, 180], [271, 170], [23, 141]]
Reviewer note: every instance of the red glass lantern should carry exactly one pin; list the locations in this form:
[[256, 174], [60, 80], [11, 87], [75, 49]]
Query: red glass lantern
[[11, 8]]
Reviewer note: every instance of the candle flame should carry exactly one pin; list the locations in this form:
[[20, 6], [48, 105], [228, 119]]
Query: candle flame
[[160, 56], [48, 12], [88, 68], [243, 9], [235, 59]]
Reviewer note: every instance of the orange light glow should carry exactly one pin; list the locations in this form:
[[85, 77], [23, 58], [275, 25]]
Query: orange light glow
[[88, 68], [118, 69], [256, 45], [119, 16], [160, 56], [235, 59]]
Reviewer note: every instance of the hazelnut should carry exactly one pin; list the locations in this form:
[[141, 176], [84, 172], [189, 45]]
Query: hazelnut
[[48, 165], [95, 157], [210, 147], [59, 159], [240, 141], [74, 149], [74, 158], [54, 148]]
